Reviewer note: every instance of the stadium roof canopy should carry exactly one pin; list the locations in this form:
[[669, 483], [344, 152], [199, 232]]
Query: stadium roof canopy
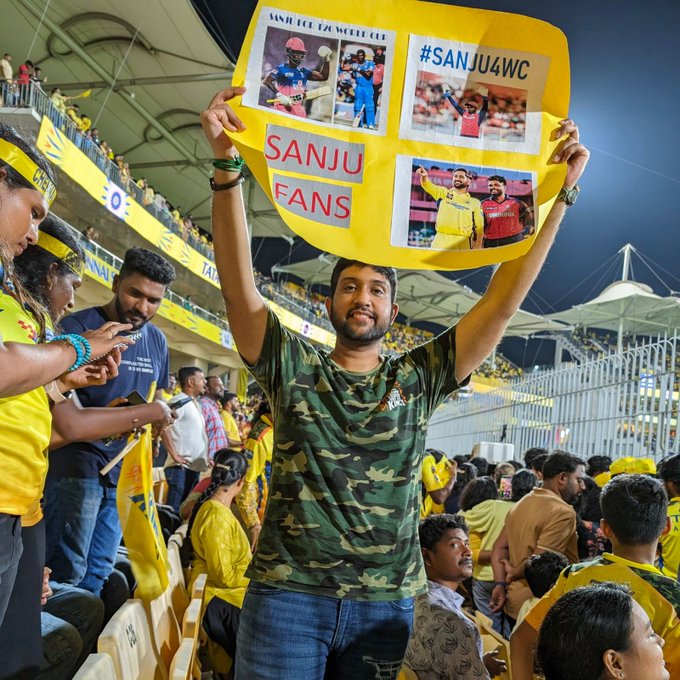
[[152, 66], [425, 296], [625, 307]]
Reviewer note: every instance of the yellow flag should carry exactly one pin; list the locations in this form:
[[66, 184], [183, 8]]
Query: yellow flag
[[139, 521], [242, 385]]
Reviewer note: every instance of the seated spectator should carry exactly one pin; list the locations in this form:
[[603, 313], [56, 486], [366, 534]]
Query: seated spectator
[[445, 643], [71, 620], [541, 572], [616, 642], [187, 507], [669, 543], [542, 520], [438, 475], [634, 516], [485, 515], [221, 551]]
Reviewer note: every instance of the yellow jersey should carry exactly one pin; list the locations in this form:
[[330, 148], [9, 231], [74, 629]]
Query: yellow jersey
[[658, 595], [26, 425], [434, 476], [458, 214], [669, 544], [230, 425]]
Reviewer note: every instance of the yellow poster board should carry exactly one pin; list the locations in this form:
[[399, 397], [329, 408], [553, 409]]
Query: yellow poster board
[[404, 133]]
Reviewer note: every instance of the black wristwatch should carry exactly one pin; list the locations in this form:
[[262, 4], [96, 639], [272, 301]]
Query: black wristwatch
[[568, 196]]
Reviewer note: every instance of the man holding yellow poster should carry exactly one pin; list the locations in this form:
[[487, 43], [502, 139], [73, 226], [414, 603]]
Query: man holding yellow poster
[[338, 556]]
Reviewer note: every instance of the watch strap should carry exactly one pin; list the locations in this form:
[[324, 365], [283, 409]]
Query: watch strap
[[53, 392]]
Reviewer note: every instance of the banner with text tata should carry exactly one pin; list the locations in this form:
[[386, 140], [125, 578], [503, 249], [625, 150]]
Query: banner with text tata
[[404, 133]]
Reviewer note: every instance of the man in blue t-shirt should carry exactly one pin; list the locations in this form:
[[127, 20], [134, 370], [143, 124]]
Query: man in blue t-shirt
[[83, 530], [363, 91]]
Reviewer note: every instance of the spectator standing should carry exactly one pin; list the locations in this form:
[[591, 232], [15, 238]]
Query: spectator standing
[[8, 90], [669, 543], [83, 530], [634, 515], [438, 476], [230, 406], [338, 550], [186, 440], [543, 520], [252, 498], [210, 408], [485, 515]]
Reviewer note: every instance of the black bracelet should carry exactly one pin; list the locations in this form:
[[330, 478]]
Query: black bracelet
[[500, 583], [230, 185]]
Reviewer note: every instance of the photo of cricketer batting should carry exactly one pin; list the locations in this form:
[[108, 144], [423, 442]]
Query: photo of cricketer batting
[[288, 81]]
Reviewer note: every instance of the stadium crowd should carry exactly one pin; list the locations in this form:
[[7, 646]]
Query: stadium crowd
[[514, 548]]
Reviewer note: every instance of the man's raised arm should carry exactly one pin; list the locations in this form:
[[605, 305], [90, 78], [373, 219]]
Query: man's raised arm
[[246, 309], [480, 330]]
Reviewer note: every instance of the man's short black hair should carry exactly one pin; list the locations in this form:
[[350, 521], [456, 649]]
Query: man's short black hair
[[539, 461], [149, 264], [635, 507], [558, 462], [465, 170], [477, 491], [482, 465], [502, 180], [669, 469], [390, 273], [597, 465], [531, 453], [185, 373], [432, 528], [521, 484], [541, 571], [228, 396]]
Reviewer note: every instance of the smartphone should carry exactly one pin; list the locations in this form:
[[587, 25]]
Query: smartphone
[[506, 487], [134, 399]]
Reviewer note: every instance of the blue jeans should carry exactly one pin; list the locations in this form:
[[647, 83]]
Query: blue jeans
[[285, 635], [83, 531], [10, 552], [481, 594], [180, 482], [70, 622]]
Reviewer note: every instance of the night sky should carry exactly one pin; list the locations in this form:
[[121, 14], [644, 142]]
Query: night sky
[[625, 96]]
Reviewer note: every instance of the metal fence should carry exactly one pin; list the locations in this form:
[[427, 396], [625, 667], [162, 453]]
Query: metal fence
[[622, 404]]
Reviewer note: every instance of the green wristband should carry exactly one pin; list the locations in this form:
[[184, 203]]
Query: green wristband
[[229, 164]]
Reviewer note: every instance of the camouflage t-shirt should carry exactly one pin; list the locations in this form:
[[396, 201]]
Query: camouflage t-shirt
[[344, 499]]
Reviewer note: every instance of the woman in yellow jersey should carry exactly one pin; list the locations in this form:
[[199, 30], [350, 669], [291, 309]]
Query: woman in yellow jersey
[[259, 446], [50, 271], [485, 514], [221, 551], [26, 191]]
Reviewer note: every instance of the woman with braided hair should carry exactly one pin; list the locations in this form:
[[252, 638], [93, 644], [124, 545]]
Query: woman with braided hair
[[222, 551]]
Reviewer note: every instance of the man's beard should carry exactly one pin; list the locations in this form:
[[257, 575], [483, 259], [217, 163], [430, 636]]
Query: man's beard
[[123, 316], [459, 185], [368, 337]]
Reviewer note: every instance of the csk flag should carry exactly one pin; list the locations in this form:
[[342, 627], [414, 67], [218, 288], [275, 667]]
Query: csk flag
[[139, 521]]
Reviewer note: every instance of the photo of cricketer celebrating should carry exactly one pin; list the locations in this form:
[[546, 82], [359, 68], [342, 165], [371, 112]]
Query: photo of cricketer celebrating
[[472, 115], [288, 81], [460, 222]]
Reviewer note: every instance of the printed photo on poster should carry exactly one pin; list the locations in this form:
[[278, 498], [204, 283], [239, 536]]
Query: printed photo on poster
[[472, 110], [298, 74], [473, 96], [361, 75], [304, 67], [444, 205]]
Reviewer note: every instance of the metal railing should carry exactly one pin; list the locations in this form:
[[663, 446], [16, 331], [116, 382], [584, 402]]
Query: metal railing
[[32, 97], [623, 404]]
